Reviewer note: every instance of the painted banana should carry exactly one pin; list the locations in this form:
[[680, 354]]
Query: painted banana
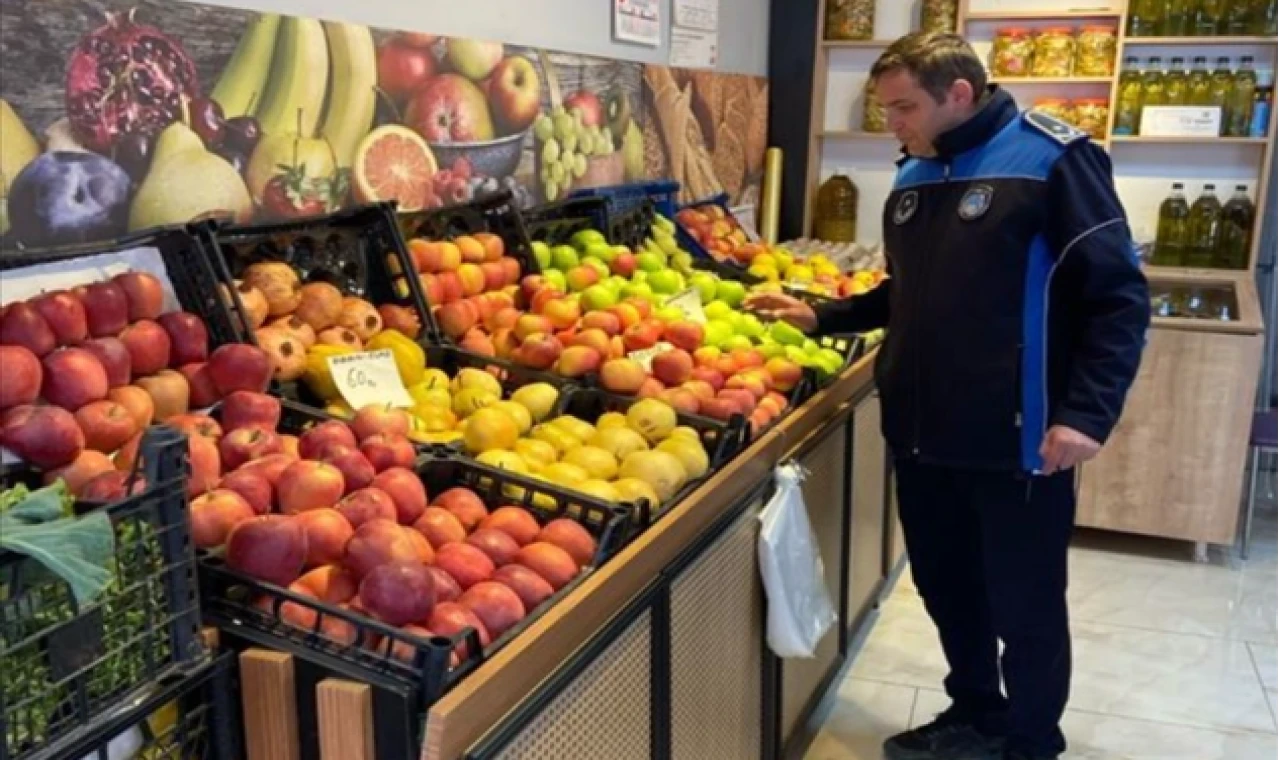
[[352, 97], [299, 78], [244, 78]]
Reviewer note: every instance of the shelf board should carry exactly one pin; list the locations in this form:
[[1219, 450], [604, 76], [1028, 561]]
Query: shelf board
[[1135, 41], [1030, 15], [1150, 140], [1051, 80], [853, 134], [857, 43]]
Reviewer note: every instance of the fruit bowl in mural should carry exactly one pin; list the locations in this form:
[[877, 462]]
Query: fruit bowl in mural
[[492, 158]]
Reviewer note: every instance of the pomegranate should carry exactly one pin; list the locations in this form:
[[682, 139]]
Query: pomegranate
[[126, 78]]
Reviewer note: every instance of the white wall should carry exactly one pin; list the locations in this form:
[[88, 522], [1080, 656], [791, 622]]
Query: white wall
[[572, 26]]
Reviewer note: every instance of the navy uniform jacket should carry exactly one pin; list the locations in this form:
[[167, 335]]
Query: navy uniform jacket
[[1015, 301]]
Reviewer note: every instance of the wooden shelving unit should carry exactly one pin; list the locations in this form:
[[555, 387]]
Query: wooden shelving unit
[[854, 134], [867, 44], [1050, 80], [1031, 15], [1202, 141]]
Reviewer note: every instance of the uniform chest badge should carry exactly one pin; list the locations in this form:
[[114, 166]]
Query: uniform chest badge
[[906, 208], [976, 202]]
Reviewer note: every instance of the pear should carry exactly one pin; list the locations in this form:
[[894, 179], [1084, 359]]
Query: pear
[[186, 182], [276, 152]]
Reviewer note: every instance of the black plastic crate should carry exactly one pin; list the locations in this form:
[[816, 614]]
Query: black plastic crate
[[497, 213], [248, 612], [64, 664], [556, 222], [356, 250], [185, 717], [722, 440], [191, 262], [662, 194]]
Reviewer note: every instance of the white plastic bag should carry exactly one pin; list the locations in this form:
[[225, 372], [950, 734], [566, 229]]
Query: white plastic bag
[[799, 607]]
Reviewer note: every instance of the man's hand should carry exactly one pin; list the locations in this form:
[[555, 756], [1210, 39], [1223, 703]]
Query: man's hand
[[1064, 448], [784, 307]]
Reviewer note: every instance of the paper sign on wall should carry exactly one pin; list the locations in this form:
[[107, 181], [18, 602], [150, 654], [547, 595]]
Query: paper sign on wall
[[696, 14], [692, 48], [644, 357], [369, 377], [689, 301], [638, 21]]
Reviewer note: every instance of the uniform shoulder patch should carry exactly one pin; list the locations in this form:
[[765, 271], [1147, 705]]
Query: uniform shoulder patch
[[1057, 129]]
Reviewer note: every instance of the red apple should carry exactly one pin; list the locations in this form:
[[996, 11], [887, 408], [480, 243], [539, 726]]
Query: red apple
[[72, 378], [169, 391], [357, 471], [239, 366], [673, 367], [327, 535], [464, 504], [188, 337], [403, 68], [22, 325], [407, 491], [387, 450], [440, 526], [450, 109], [44, 436], [271, 548], [247, 444], [497, 606], [203, 392], [215, 514], [65, 316], [85, 467], [241, 409], [306, 485], [315, 440], [206, 464], [106, 307], [107, 425], [111, 487], [398, 593], [532, 588], [252, 487], [144, 293], [500, 547], [466, 563], [148, 345], [365, 504], [378, 542], [115, 358], [23, 376], [451, 619], [380, 418], [516, 94], [589, 105]]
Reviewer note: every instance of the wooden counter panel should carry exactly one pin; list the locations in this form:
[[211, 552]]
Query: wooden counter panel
[[1175, 465], [867, 511], [455, 722]]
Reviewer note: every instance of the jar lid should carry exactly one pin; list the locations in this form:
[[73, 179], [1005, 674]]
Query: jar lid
[[1056, 30], [1099, 29], [1013, 31], [1093, 101], [1050, 101]]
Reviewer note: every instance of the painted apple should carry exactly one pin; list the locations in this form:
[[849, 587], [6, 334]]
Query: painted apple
[[450, 109]]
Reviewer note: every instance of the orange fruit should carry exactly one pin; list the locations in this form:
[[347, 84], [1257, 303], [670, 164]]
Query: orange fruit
[[393, 163], [493, 246]]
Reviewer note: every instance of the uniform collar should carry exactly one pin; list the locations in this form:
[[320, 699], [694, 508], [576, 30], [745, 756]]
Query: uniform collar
[[996, 112]]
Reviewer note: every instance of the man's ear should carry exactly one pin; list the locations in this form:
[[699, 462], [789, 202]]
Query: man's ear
[[962, 93]]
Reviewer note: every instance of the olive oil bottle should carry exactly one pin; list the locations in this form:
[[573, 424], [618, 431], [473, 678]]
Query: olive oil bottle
[[1208, 16], [1238, 17], [1129, 101], [1199, 89], [1172, 230], [1240, 112], [1206, 222], [1144, 18], [1236, 233], [1176, 20], [1175, 83], [1220, 82], [1153, 83]]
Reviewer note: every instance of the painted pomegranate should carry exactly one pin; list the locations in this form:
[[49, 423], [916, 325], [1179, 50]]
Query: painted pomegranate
[[126, 78]]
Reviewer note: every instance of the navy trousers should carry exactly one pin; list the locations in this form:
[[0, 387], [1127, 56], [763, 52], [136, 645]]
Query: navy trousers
[[989, 555]]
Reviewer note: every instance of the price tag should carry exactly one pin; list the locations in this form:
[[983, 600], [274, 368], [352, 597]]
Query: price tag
[[689, 301], [369, 377], [644, 357]]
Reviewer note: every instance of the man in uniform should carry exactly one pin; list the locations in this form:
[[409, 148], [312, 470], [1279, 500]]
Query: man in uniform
[[1016, 315]]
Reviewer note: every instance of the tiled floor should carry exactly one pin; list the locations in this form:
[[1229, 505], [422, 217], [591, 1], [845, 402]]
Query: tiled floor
[[1173, 660]]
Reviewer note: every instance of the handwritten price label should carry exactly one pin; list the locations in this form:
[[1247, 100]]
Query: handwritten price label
[[689, 301], [369, 377], [644, 357]]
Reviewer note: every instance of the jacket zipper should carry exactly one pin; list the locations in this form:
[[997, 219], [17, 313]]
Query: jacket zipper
[[924, 281]]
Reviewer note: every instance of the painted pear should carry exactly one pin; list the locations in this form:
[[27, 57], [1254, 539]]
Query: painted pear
[[187, 182]]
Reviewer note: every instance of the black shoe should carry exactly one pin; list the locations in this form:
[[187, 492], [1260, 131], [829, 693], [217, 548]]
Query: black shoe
[[946, 738], [1014, 754]]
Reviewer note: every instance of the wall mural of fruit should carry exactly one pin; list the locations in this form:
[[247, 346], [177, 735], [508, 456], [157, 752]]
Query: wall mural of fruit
[[117, 116]]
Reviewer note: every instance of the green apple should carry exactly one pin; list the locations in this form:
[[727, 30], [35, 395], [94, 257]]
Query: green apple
[[751, 326], [716, 332], [649, 262], [705, 282], [737, 342], [810, 346], [770, 350], [788, 336], [797, 355], [542, 254], [615, 284], [717, 309], [556, 277], [731, 292], [682, 262], [668, 244], [670, 314], [582, 239], [666, 281], [597, 265], [639, 276], [638, 290], [830, 358], [564, 258], [600, 252], [598, 297]]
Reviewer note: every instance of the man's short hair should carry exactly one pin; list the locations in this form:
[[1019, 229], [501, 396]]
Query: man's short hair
[[936, 60]]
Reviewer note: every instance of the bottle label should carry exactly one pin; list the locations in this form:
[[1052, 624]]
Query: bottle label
[[1261, 118]]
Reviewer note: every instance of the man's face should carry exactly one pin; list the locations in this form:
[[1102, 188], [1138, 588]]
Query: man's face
[[914, 116]]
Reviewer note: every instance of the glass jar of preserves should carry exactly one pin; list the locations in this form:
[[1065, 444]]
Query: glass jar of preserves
[[850, 20], [1012, 53], [1058, 108], [938, 15], [1096, 51], [874, 116], [1055, 52], [1092, 116]]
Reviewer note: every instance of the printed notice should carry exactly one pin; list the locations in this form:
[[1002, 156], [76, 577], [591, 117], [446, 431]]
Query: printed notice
[[644, 357], [369, 377], [638, 21], [692, 48], [689, 301], [697, 14]]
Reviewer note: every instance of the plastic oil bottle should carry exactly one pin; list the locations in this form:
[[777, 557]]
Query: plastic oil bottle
[[1243, 85], [1176, 21], [1264, 18], [1172, 230], [1199, 88], [1237, 231], [1152, 84], [1238, 17], [1206, 221], [1175, 83], [1129, 101], [1263, 102], [1220, 90], [1144, 18], [837, 212], [1207, 18]]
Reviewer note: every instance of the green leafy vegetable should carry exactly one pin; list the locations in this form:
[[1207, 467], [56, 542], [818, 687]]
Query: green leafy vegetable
[[77, 549]]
